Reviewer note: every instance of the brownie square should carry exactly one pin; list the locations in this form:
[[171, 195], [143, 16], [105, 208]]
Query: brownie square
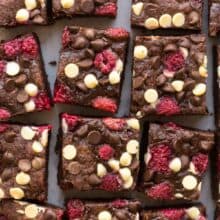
[[214, 17], [22, 77], [155, 14], [175, 162], [20, 210], [91, 67], [71, 8], [117, 209], [99, 154], [169, 75], [20, 12], [23, 164]]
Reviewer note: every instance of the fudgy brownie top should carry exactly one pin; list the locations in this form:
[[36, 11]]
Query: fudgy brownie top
[[169, 75], [17, 12], [118, 209], [99, 153], [23, 84], [91, 66], [23, 161], [84, 7], [175, 162], [154, 14], [214, 17], [20, 210]]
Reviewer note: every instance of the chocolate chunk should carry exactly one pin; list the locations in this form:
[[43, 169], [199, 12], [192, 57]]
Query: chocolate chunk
[[9, 136], [21, 79], [9, 85], [94, 137], [98, 44], [50, 215], [87, 5], [24, 165], [6, 174], [85, 64], [94, 180], [8, 157], [80, 42], [82, 131], [89, 33], [22, 96]]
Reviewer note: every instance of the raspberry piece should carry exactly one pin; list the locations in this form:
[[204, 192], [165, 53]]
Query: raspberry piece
[[65, 37], [107, 10], [42, 101], [3, 127], [75, 209], [110, 183], [114, 124], [119, 203], [174, 61], [160, 156], [104, 104], [117, 33], [61, 94], [105, 61], [200, 162], [167, 106], [29, 46], [12, 48], [4, 114], [71, 120], [173, 214], [106, 152], [172, 125], [2, 67], [161, 191]]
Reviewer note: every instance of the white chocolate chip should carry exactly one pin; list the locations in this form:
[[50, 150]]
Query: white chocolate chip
[[178, 19], [189, 182], [2, 193], [139, 114], [22, 178], [134, 123], [175, 165], [192, 168], [30, 106], [178, 85], [101, 170], [71, 70], [16, 193], [132, 147], [125, 159], [105, 215], [151, 23], [184, 52], [199, 187], [203, 72], [67, 3], [69, 152], [151, 96], [91, 81], [31, 211], [37, 147], [128, 184], [193, 212], [44, 138], [119, 66], [199, 89], [114, 164], [147, 158], [178, 195], [165, 21], [30, 4], [140, 52], [114, 77], [31, 89], [22, 15], [205, 61], [64, 125], [125, 174], [137, 8], [12, 68], [27, 133], [218, 72]]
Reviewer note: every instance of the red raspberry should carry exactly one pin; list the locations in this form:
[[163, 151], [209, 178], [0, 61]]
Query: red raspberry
[[29, 46], [172, 125], [110, 183], [114, 124], [203, 218], [167, 106], [2, 67], [65, 37], [107, 10], [173, 214], [117, 33], [104, 104], [200, 162], [75, 209], [61, 94], [174, 61], [105, 61], [12, 48], [3, 127], [46, 127], [4, 114], [71, 120], [59, 214], [161, 191], [106, 152], [160, 156], [42, 101], [119, 203]]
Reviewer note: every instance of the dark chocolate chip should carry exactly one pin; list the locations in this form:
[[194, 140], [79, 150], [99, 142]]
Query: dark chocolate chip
[[35, 13], [8, 157], [138, 82], [74, 168], [206, 145], [85, 64], [185, 161], [87, 5], [89, 53], [121, 214], [193, 17], [24, 165], [98, 44], [81, 86], [9, 85], [195, 100], [22, 96], [9, 136], [189, 84], [89, 33], [50, 215], [161, 79], [21, 79], [168, 88], [38, 19], [94, 180], [94, 137], [80, 42], [185, 43], [38, 163], [82, 131], [170, 47], [6, 174]]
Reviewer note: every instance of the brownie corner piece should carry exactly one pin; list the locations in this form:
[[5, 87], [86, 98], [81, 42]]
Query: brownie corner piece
[[24, 159], [214, 14], [176, 160], [99, 154], [90, 71], [169, 76]]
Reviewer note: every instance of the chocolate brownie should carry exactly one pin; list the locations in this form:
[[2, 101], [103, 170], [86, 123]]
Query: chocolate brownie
[[175, 162], [22, 77], [23, 161], [217, 213], [169, 75], [214, 17], [20, 210], [154, 14], [190, 213], [118, 209], [71, 8], [217, 88], [99, 153], [91, 67], [18, 12]]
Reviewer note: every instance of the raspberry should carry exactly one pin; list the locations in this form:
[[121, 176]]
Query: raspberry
[[46, 127], [105, 61], [161, 191], [173, 214], [4, 114], [104, 104], [172, 125], [71, 120], [160, 156], [3, 127], [75, 209], [174, 61], [65, 37], [29, 46], [106, 152], [2, 67], [167, 106], [61, 94], [42, 101], [119, 203], [200, 162], [59, 214], [117, 33], [114, 124], [110, 183], [107, 10], [12, 48]]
